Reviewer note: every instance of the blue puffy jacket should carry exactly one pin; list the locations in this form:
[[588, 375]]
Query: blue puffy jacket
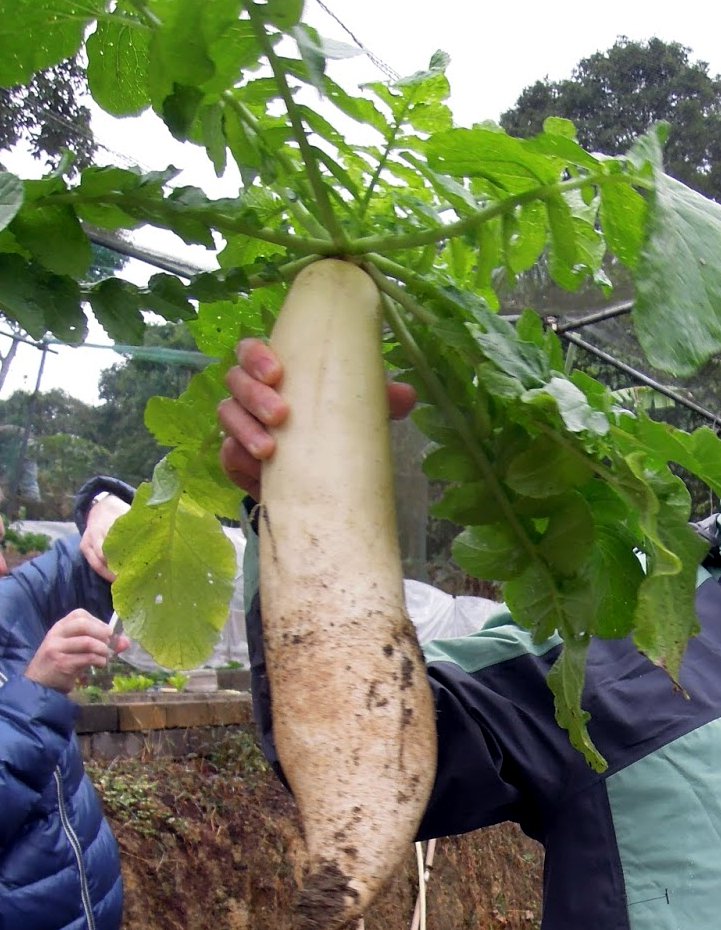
[[59, 862]]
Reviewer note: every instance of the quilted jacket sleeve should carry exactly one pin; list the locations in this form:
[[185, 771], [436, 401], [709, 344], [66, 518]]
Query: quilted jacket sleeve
[[36, 722], [36, 725]]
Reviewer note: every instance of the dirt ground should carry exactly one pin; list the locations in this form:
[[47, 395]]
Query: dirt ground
[[215, 843]]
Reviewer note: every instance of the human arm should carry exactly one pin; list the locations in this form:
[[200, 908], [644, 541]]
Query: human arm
[[36, 727]]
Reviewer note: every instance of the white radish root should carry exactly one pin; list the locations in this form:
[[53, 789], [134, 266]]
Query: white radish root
[[354, 721]]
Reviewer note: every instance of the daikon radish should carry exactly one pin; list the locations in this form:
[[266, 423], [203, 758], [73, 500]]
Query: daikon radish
[[353, 714]]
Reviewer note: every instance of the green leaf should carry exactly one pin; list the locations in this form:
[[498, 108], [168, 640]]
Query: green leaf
[[183, 421], [525, 237], [213, 136], [669, 594], [624, 214], [118, 62], [677, 310], [470, 504], [489, 552], [312, 52], [11, 197], [41, 301], [283, 13], [566, 680], [115, 305], [511, 355], [35, 34], [449, 464], [507, 162], [55, 238], [577, 414], [569, 536], [535, 601], [167, 296], [173, 592], [546, 468]]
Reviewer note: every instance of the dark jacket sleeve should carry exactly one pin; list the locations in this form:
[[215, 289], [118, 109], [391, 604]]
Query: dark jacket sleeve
[[36, 725]]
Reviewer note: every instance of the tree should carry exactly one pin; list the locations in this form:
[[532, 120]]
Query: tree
[[48, 447], [125, 390], [614, 97], [49, 116]]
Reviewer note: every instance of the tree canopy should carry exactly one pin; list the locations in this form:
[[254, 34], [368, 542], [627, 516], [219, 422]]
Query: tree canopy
[[48, 114], [613, 97]]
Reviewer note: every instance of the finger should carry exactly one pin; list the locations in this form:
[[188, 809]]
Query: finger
[[247, 432], [260, 400], [96, 559], [241, 467], [88, 646], [80, 623], [259, 360], [401, 399]]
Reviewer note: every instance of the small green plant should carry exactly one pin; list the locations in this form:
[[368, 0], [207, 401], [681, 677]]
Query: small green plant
[[26, 542], [122, 684], [132, 798], [177, 681], [90, 694]]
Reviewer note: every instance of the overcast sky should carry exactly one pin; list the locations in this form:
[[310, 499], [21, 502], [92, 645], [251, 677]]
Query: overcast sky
[[496, 51]]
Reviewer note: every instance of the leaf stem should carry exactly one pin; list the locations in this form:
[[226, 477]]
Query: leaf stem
[[385, 243], [299, 211], [449, 410], [382, 161], [306, 151], [146, 14]]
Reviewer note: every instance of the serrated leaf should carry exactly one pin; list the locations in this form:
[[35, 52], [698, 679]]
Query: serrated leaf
[[311, 51], [183, 421], [213, 135], [566, 680], [470, 504], [173, 592], [41, 301], [115, 304], [623, 216], [505, 161], [669, 594], [167, 296], [512, 356]]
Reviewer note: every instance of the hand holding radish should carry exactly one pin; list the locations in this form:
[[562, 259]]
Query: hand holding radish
[[255, 404]]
